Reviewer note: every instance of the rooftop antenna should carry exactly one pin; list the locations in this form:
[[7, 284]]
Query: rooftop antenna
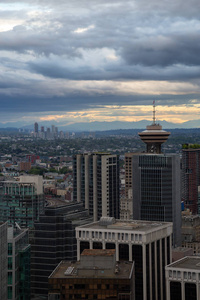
[[154, 113]]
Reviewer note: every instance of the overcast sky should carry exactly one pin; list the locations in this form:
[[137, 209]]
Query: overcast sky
[[99, 60]]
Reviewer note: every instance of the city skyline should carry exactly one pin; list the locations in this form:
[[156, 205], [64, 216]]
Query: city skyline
[[99, 60]]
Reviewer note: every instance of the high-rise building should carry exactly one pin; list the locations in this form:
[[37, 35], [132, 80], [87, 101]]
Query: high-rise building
[[156, 182], [53, 128], [3, 260], [146, 243], [156, 190], [22, 201], [54, 240], [183, 279], [190, 177], [48, 134], [96, 276], [96, 183], [35, 127], [19, 257], [126, 202]]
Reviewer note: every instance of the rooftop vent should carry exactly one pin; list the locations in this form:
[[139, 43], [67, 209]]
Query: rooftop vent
[[104, 221], [69, 271]]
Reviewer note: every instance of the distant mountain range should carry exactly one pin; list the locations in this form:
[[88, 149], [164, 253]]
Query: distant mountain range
[[102, 126]]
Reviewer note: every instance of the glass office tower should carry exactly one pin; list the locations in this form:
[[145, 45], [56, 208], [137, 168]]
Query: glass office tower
[[156, 190]]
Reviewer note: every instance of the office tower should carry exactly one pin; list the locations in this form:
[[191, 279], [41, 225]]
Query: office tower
[[22, 201], [96, 183], [128, 175], [53, 129], [156, 182], [35, 127], [146, 243], [54, 240], [96, 276], [42, 133], [183, 279], [56, 132], [19, 257], [48, 134], [3, 260], [126, 202], [62, 135], [190, 177], [156, 190]]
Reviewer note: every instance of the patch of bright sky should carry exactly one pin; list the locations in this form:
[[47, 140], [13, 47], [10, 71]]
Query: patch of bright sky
[[10, 23], [81, 30], [17, 6], [176, 114]]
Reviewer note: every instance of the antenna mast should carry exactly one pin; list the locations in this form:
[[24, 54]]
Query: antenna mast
[[154, 113]]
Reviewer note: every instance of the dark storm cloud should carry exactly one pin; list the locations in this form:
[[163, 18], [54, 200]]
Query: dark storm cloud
[[96, 40], [71, 102], [137, 33], [164, 50], [117, 71]]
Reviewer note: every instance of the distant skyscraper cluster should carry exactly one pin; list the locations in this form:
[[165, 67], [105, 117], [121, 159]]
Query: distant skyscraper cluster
[[49, 133]]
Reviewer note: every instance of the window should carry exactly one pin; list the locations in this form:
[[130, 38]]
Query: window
[[9, 263]]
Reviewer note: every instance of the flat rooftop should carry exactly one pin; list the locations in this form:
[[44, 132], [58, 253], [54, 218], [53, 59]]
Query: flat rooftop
[[124, 271], [189, 262], [129, 225], [98, 252], [53, 202]]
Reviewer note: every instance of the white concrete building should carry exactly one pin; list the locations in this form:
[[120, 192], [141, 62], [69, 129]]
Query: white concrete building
[[183, 279], [146, 243]]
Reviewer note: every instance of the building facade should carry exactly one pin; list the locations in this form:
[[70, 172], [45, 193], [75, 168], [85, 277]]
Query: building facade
[[3, 260], [96, 276], [183, 279], [190, 178], [19, 257], [96, 183], [156, 190], [148, 244], [126, 202], [22, 201], [54, 240]]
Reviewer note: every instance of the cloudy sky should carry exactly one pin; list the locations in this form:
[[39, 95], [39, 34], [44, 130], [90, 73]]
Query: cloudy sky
[[99, 60]]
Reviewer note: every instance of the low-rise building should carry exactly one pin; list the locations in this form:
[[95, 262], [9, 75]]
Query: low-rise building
[[96, 276]]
